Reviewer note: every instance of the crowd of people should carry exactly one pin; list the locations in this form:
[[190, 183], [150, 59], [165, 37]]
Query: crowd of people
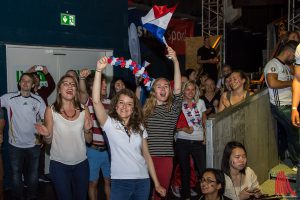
[[136, 146]]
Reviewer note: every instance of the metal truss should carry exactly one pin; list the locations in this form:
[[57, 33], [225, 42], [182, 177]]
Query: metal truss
[[293, 16], [213, 22]]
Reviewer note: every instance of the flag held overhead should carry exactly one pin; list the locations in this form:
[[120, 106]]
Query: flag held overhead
[[157, 20]]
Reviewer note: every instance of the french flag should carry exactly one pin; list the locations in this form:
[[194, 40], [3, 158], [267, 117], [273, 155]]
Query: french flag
[[157, 20]]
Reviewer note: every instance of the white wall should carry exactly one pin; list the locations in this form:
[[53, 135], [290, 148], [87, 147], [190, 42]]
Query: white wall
[[57, 59]]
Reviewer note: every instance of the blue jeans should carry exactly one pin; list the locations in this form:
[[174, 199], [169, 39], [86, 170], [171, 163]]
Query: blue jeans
[[283, 116], [130, 189], [70, 181], [17, 159]]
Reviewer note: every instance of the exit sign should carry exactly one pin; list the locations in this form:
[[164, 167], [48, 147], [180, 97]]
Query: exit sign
[[67, 19]]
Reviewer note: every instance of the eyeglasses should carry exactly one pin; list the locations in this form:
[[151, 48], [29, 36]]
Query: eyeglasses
[[67, 84], [208, 181]]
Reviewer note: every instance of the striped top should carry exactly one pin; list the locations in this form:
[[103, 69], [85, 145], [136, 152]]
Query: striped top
[[96, 129], [160, 127]]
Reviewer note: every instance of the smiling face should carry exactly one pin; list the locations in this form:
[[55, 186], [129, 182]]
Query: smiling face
[[119, 85], [26, 83], [161, 91], [189, 92], [124, 107], [238, 159], [68, 88], [208, 184], [236, 81]]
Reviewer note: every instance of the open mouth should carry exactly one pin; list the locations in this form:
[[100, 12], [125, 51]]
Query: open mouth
[[163, 94], [69, 92]]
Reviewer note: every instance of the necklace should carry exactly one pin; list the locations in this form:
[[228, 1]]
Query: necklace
[[237, 194], [69, 117]]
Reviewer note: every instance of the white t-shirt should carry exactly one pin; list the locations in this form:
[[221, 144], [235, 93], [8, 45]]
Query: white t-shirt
[[279, 97], [127, 161], [68, 142], [23, 113], [198, 129]]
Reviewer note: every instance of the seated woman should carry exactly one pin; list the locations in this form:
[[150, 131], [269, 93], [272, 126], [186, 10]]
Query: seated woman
[[241, 181], [239, 84], [211, 97], [212, 184]]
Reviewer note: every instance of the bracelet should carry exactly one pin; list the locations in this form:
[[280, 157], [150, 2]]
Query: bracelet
[[294, 108], [48, 137], [98, 70], [81, 78]]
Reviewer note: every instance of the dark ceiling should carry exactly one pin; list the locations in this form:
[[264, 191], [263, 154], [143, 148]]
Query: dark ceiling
[[255, 13]]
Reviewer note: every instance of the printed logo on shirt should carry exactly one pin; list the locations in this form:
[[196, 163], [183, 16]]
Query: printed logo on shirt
[[273, 69]]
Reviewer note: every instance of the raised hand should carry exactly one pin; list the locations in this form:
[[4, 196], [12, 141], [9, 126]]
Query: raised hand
[[171, 54], [101, 64], [84, 73], [42, 130], [45, 70]]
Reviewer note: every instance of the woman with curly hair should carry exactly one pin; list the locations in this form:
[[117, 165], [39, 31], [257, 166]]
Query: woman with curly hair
[[127, 138], [161, 111]]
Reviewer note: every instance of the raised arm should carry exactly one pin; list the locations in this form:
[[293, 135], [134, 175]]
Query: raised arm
[[98, 106], [83, 94], [177, 74]]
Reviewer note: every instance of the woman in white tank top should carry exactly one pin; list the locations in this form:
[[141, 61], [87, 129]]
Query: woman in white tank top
[[65, 124]]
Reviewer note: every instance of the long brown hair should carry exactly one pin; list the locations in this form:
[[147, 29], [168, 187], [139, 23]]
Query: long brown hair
[[151, 100], [57, 105], [136, 118]]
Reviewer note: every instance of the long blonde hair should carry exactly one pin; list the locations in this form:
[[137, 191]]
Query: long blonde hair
[[197, 94], [151, 100]]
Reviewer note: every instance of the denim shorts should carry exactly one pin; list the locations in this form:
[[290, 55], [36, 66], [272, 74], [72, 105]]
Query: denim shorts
[[98, 160]]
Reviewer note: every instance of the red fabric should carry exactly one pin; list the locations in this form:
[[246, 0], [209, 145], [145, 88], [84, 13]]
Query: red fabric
[[160, 11], [176, 33], [163, 166], [177, 179], [181, 123]]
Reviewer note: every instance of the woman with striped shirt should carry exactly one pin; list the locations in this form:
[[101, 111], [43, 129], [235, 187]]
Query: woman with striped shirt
[[161, 112]]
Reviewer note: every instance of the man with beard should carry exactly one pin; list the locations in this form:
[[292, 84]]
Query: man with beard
[[279, 75]]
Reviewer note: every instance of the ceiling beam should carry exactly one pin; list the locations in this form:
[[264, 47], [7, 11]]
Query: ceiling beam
[[243, 3]]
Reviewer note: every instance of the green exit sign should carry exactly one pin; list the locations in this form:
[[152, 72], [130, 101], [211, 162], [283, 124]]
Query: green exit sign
[[67, 19]]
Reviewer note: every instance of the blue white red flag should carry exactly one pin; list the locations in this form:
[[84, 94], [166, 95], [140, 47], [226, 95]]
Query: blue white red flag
[[157, 20]]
